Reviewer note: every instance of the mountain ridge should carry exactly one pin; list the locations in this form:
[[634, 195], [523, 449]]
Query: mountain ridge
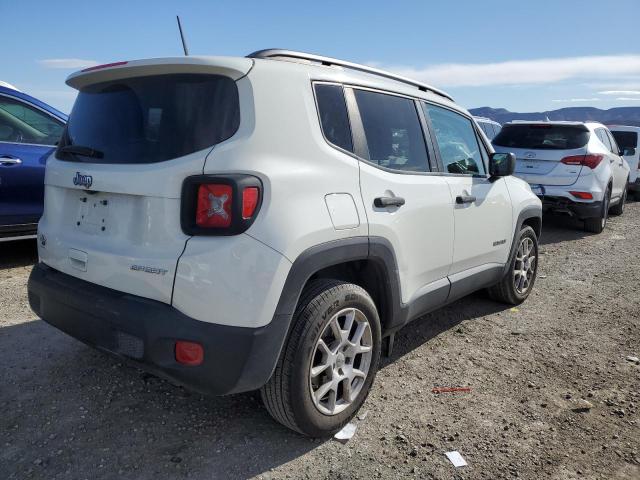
[[611, 116]]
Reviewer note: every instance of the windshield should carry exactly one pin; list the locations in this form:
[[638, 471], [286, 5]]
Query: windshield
[[542, 137], [151, 119]]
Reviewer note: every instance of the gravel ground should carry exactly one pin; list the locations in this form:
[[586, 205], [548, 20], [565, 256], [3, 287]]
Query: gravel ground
[[71, 412]]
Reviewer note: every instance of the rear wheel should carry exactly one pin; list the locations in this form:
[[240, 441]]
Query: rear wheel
[[517, 283], [619, 208], [329, 360], [597, 224]]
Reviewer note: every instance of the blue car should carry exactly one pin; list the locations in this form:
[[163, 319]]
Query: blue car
[[29, 130]]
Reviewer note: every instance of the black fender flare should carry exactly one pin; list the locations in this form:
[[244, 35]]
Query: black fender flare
[[335, 252], [529, 212]]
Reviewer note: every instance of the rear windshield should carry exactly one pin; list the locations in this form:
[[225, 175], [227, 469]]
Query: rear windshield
[[626, 139], [151, 119], [542, 137]]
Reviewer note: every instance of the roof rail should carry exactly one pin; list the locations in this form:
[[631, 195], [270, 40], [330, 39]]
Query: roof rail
[[328, 61]]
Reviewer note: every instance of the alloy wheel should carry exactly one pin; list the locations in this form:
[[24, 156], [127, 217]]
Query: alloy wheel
[[525, 266], [340, 362]]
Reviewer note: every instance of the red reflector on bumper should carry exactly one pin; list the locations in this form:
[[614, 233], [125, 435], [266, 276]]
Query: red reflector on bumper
[[582, 195], [189, 353]]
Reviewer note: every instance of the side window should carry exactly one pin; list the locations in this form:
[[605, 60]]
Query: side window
[[483, 127], [604, 138], [496, 129], [393, 131], [612, 141], [488, 130], [457, 141], [21, 123], [333, 115]]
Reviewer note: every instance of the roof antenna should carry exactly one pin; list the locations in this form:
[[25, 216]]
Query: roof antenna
[[184, 44]]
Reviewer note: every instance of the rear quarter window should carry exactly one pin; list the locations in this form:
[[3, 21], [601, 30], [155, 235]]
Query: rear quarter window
[[334, 119], [153, 118], [542, 137]]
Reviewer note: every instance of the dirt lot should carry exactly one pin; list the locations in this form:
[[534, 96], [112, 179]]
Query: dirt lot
[[70, 412]]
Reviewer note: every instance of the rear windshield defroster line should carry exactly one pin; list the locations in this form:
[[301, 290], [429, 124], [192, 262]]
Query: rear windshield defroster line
[[152, 119], [542, 136]]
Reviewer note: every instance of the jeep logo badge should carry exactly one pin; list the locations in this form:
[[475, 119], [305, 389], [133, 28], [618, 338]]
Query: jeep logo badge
[[83, 180]]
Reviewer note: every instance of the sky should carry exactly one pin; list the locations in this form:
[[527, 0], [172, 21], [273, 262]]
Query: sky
[[520, 55]]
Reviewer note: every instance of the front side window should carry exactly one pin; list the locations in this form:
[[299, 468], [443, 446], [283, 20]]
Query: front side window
[[22, 123], [458, 144], [393, 131], [334, 118], [153, 118]]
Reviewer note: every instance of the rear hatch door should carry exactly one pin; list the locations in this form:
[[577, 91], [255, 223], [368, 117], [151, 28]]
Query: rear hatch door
[[112, 213], [540, 148]]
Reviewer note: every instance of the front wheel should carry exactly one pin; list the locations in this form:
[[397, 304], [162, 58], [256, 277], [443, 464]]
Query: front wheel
[[329, 360], [517, 282]]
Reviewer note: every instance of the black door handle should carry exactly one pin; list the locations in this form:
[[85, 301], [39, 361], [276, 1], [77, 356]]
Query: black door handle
[[460, 199], [382, 202]]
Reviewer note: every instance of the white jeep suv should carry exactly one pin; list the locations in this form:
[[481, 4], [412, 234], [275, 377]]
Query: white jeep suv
[[576, 168], [235, 224]]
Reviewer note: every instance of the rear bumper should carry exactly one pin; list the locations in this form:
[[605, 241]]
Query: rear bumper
[[579, 210], [236, 359]]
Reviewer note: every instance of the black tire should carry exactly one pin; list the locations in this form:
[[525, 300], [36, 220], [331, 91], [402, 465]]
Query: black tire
[[287, 395], [597, 224], [505, 291], [618, 209]]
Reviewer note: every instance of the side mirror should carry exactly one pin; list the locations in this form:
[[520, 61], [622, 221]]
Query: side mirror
[[502, 164], [628, 152]]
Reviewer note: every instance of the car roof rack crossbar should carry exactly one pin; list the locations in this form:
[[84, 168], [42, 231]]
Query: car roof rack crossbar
[[328, 61]]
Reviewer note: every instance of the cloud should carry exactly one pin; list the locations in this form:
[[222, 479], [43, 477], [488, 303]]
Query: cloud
[[568, 100], [620, 92], [628, 99], [523, 72], [67, 63]]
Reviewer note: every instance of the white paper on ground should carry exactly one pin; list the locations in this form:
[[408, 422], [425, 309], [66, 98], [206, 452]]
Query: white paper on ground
[[346, 433], [456, 459]]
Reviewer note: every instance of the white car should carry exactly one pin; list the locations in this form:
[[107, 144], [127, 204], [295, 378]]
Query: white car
[[235, 224], [628, 139], [488, 126], [576, 168]]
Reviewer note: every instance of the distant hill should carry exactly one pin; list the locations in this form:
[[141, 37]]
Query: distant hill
[[613, 116]]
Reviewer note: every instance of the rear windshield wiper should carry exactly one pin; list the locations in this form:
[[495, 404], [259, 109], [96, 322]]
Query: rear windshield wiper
[[81, 150]]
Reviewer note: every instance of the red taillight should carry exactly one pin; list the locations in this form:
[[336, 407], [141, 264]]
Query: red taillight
[[219, 205], [591, 161], [573, 160], [250, 197], [582, 195], [189, 353], [214, 206], [105, 65]]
